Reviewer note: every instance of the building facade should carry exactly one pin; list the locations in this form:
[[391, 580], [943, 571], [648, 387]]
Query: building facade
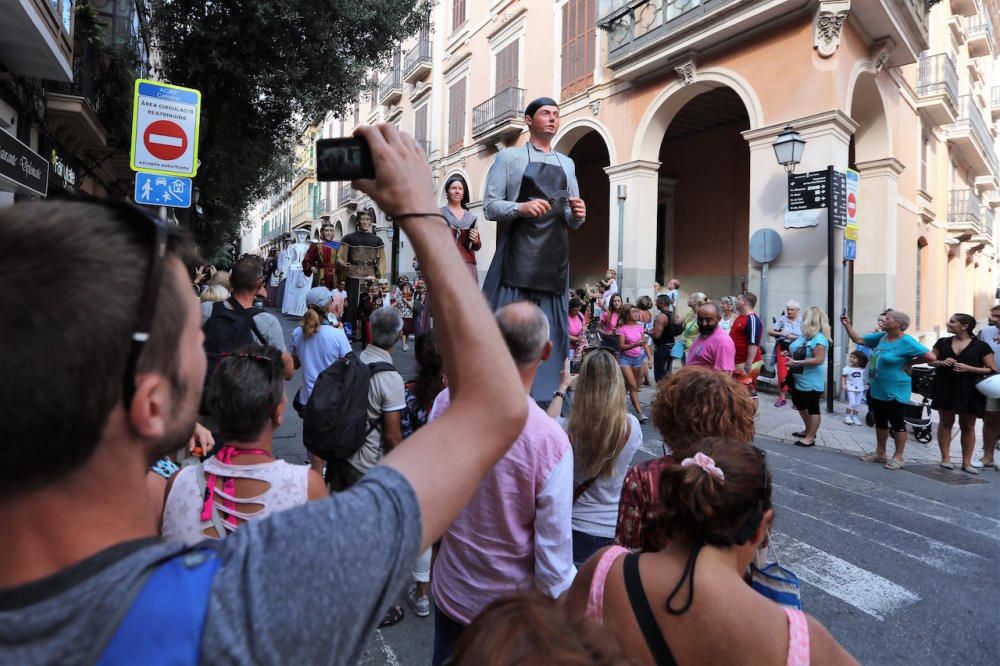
[[680, 101]]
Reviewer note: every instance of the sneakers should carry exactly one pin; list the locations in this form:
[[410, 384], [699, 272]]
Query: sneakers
[[420, 605], [849, 420], [857, 421], [780, 402]]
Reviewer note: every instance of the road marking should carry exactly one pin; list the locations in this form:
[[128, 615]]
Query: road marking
[[857, 587], [390, 654], [938, 554], [166, 140], [909, 502]]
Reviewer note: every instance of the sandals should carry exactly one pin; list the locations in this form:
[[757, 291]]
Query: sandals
[[799, 442], [893, 464], [946, 465], [799, 435], [970, 470], [874, 458], [392, 616]]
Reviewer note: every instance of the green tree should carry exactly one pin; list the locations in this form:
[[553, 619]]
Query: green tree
[[265, 69]]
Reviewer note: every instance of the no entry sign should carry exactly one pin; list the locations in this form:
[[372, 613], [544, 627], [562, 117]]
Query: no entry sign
[[165, 121]]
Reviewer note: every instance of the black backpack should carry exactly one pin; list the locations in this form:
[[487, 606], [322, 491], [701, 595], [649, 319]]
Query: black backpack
[[226, 331], [335, 420]]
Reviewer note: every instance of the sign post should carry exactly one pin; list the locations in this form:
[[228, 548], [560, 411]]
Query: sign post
[[765, 247], [850, 245]]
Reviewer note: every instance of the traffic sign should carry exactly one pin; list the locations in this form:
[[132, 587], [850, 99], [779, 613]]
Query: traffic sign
[[157, 190], [165, 123], [851, 232], [807, 191], [838, 199], [850, 249], [852, 196]]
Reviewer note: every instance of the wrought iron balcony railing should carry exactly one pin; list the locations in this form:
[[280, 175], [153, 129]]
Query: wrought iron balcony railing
[[507, 104], [970, 116], [937, 74], [390, 85], [632, 21], [964, 209], [418, 55]]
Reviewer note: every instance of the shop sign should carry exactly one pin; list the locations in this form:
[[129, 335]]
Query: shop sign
[[22, 169]]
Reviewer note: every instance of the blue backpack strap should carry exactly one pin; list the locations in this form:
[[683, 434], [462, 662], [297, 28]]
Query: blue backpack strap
[[163, 618]]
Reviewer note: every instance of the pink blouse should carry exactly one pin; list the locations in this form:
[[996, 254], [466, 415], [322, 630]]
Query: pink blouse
[[633, 333]]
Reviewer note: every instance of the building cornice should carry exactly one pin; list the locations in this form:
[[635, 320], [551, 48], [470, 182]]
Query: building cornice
[[887, 166], [819, 124], [633, 167]]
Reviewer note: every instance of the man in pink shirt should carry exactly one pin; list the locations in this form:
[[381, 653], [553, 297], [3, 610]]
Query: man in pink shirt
[[713, 348], [516, 532]]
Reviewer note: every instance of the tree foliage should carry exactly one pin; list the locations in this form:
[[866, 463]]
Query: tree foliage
[[266, 68]]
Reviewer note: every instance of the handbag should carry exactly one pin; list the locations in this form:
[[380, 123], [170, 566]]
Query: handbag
[[799, 355], [774, 581], [677, 349]]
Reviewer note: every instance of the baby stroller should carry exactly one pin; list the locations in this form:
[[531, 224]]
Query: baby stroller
[[918, 416]]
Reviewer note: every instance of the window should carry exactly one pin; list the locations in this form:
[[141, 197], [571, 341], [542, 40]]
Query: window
[[921, 256], [925, 147], [506, 67], [373, 93], [357, 115], [456, 115], [457, 14], [579, 39], [420, 128]]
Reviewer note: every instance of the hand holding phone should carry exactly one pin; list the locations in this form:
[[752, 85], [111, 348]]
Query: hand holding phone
[[346, 158]]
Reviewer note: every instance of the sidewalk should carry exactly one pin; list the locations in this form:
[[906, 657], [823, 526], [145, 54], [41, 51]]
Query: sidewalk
[[780, 423]]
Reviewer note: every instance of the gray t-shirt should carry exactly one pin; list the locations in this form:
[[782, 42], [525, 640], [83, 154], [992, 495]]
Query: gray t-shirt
[[386, 393], [303, 586], [267, 324]]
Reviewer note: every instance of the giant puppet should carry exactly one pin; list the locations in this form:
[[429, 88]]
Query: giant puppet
[[361, 256], [532, 192]]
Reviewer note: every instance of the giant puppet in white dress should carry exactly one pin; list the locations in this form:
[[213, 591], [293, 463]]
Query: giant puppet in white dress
[[297, 283]]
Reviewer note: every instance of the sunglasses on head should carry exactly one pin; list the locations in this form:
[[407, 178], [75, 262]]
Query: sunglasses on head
[[157, 230]]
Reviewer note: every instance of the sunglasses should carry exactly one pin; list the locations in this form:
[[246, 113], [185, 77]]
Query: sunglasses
[[156, 228]]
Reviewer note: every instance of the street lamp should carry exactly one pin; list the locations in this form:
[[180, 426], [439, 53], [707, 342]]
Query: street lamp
[[788, 147]]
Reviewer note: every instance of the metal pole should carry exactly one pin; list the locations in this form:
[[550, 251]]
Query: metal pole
[[763, 297], [622, 195], [830, 277], [846, 306], [163, 213]]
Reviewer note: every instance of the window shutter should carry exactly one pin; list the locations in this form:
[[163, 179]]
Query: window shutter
[[506, 67], [457, 14], [420, 124], [579, 44], [456, 115]]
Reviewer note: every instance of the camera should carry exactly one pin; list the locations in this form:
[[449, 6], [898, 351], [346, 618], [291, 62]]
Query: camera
[[347, 158]]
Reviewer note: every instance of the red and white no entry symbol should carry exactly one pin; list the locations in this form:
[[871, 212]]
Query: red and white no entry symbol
[[852, 205], [165, 140]]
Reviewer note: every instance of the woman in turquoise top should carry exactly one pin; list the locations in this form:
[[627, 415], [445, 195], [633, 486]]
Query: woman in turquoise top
[[808, 371], [892, 354]]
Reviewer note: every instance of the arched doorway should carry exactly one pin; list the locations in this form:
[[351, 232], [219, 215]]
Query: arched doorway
[[338, 230], [703, 195], [588, 245]]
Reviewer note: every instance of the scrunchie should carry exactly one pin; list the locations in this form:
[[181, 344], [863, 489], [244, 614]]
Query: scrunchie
[[706, 463]]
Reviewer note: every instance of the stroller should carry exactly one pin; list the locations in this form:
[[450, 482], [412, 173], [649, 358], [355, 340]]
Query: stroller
[[918, 417]]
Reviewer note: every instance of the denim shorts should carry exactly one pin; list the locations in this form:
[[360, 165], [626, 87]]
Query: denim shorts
[[630, 361]]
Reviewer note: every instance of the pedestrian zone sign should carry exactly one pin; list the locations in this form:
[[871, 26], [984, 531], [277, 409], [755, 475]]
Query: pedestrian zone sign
[[165, 123], [155, 190]]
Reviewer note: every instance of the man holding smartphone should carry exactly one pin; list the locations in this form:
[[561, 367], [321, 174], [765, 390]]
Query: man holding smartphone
[[533, 192]]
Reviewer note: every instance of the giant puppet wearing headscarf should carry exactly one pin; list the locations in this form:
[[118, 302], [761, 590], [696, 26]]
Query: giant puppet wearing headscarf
[[320, 262], [532, 192], [361, 256]]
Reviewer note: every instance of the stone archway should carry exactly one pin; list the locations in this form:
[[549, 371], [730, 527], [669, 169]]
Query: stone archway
[[338, 230], [588, 147]]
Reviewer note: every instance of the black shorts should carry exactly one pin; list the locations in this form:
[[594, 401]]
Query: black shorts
[[806, 400], [888, 414]]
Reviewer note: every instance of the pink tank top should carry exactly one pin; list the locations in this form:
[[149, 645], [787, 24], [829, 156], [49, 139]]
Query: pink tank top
[[798, 628], [633, 333]]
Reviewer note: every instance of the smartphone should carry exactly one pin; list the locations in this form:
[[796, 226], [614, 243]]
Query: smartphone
[[346, 158]]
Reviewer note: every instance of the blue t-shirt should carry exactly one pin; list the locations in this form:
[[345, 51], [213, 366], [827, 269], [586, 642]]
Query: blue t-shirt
[[887, 379], [812, 377], [317, 354]]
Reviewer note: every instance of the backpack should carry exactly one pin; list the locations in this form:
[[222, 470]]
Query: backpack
[[226, 331], [161, 617], [335, 420]]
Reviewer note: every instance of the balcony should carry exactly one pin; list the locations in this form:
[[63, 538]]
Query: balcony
[[320, 208], [390, 88], [971, 138], [646, 37], [74, 109], [963, 7], [979, 33], [964, 211], [417, 63], [500, 117], [937, 89], [995, 102], [346, 194], [985, 234], [38, 38]]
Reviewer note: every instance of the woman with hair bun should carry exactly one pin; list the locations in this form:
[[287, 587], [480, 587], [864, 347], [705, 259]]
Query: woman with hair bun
[[690, 405], [961, 360], [689, 603]]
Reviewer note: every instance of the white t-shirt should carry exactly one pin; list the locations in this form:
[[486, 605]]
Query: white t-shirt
[[596, 512], [855, 378], [317, 354], [610, 291]]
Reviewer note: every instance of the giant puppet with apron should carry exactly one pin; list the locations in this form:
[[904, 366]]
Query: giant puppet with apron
[[532, 258]]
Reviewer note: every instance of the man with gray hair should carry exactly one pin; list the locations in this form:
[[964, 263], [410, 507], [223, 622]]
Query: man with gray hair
[[516, 532], [386, 401]]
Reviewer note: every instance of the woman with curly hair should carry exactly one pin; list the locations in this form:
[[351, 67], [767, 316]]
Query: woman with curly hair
[[690, 405], [689, 603]]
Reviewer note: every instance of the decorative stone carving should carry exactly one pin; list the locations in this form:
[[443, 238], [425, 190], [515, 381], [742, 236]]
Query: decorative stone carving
[[595, 106], [880, 53], [829, 25], [685, 71]]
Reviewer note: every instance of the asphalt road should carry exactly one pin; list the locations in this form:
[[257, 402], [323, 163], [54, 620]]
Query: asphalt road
[[902, 567]]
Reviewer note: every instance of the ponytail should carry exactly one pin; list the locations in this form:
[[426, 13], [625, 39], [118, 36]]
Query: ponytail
[[311, 321]]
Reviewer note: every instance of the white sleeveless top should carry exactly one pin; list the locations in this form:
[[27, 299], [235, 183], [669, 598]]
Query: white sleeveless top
[[288, 487]]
